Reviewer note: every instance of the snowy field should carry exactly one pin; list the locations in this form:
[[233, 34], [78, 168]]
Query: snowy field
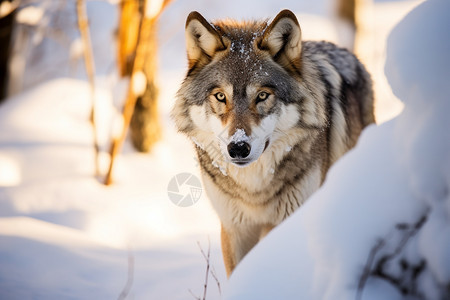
[[63, 235]]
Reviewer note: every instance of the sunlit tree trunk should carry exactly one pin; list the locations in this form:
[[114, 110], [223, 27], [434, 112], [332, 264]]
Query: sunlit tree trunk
[[346, 10], [145, 126], [137, 57], [346, 25], [136, 25]]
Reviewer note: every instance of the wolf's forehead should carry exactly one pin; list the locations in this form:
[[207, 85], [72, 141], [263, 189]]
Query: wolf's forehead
[[241, 37], [241, 69], [240, 31], [242, 62], [242, 41]]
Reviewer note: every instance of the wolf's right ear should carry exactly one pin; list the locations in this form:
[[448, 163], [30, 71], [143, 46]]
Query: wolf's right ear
[[202, 40]]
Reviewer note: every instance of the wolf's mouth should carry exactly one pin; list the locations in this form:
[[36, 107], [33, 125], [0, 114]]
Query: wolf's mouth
[[241, 162]]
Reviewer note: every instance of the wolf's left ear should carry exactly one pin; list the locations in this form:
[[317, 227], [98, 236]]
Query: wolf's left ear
[[202, 40], [283, 39]]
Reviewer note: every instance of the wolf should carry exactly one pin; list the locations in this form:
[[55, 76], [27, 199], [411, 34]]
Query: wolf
[[268, 114]]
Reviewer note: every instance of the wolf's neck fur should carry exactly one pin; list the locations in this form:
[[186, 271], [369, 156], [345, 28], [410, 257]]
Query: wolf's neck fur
[[258, 175]]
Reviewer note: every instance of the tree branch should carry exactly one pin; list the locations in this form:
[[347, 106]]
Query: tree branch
[[378, 268], [83, 27]]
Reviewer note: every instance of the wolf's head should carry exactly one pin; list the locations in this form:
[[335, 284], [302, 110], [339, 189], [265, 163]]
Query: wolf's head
[[241, 81]]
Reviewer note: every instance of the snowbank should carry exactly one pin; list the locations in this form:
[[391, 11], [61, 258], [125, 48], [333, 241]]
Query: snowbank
[[63, 235], [379, 228]]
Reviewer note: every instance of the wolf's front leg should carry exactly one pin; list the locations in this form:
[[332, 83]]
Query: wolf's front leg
[[228, 252], [237, 241]]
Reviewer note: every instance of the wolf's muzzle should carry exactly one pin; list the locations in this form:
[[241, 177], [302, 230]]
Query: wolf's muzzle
[[239, 149]]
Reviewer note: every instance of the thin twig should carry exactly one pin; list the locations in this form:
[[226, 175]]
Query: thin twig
[[378, 269], [206, 256], [209, 270], [83, 27], [127, 288], [368, 267], [130, 102], [214, 275], [193, 295], [410, 233]]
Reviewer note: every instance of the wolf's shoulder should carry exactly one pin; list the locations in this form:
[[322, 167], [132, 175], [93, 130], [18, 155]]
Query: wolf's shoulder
[[342, 59], [324, 47]]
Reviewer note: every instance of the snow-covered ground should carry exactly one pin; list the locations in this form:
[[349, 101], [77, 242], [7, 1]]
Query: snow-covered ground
[[63, 235], [379, 228]]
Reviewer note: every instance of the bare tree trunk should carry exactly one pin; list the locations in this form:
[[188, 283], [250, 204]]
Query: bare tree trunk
[[145, 126], [131, 98], [128, 32], [90, 70], [346, 10], [137, 59], [346, 22]]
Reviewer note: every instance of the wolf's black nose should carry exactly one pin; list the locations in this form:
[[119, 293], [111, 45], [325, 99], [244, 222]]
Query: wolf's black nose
[[239, 149]]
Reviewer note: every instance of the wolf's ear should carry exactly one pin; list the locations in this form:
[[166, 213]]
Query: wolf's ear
[[202, 40], [283, 39]]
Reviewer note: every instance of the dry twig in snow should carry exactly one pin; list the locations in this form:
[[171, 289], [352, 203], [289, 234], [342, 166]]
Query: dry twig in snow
[[83, 27], [209, 269], [127, 288]]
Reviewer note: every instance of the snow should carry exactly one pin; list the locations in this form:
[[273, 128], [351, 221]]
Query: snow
[[30, 15], [393, 187], [197, 143], [153, 8], [65, 235], [239, 136], [138, 83]]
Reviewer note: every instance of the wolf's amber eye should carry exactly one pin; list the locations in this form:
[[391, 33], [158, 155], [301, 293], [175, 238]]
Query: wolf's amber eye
[[262, 96], [220, 97]]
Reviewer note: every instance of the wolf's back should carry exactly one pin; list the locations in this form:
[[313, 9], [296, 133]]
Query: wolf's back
[[348, 88]]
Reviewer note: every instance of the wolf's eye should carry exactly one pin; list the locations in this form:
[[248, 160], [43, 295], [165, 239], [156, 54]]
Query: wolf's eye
[[220, 97], [261, 97]]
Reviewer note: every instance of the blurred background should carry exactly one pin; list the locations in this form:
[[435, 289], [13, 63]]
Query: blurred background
[[87, 148]]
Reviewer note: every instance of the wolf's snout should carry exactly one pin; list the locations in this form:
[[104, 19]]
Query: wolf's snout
[[239, 149]]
